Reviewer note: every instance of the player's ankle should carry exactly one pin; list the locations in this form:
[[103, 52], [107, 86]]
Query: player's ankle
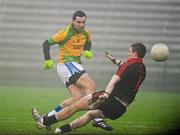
[[66, 128], [49, 120]]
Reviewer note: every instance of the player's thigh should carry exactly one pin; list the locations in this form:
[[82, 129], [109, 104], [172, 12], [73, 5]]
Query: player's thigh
[[83, 103], [90, 101], [76, 91], [86, 83]]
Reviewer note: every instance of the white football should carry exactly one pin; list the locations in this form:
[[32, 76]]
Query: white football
[[160, 52]]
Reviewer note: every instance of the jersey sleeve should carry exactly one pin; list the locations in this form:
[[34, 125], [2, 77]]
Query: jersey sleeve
[[89, 36], [58, 37], [88, 43]]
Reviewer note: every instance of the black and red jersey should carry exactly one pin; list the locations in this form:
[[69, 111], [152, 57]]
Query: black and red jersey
[[132, 73]]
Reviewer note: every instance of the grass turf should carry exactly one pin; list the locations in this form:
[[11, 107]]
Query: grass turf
[[151, 112]]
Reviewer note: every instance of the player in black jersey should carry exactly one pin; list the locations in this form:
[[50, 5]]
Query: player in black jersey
[[111, 103]]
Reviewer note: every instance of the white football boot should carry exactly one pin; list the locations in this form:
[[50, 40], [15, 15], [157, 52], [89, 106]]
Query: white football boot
[[38, 118], [58, 131]]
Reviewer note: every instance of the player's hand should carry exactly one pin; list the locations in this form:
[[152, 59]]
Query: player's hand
[[48, 64], [104, 97], [88, 54], [97, 99]]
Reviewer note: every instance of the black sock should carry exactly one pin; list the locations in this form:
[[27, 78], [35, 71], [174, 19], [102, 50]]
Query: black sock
[[66, 128], [49, 120]]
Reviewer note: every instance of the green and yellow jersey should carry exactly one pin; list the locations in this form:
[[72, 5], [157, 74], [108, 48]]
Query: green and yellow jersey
[[71, 44]]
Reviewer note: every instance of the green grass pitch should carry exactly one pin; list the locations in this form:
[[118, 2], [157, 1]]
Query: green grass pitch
[[151, 112]]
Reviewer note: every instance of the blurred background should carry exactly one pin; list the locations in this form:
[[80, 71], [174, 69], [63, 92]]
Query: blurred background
[[115, 25]]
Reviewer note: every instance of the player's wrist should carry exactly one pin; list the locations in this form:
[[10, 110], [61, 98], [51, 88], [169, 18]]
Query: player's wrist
[[48, 60], [117, 61], [106, 95]]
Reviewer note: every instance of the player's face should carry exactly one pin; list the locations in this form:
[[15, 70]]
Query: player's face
[[132, 54], [79, 23]]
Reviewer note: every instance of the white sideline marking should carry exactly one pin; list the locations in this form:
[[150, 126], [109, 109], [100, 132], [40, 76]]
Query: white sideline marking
[[15, 120], [144, 125], [7, 120], [10, 118]]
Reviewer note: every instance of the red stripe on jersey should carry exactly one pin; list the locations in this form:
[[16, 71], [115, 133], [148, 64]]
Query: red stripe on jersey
[[122, 68]]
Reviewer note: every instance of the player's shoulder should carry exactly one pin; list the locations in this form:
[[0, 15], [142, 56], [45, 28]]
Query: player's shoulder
[[65, 29]]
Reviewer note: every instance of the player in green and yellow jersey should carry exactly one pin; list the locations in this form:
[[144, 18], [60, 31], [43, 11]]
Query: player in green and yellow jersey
[[74, 40]]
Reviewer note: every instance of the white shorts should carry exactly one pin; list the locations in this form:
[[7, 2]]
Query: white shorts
[[67, 70]]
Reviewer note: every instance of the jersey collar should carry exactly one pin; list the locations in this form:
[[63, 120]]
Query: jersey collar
[[135, 60], [72, 29]]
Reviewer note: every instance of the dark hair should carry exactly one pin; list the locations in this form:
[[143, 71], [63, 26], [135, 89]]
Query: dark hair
[[140, 49], [79, 13]]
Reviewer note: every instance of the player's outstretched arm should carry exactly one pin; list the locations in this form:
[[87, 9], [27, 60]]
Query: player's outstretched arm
[[112, 58]]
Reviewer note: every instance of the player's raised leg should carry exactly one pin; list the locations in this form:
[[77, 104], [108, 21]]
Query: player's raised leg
[[43, 122], [91, 101], [79, 122]]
